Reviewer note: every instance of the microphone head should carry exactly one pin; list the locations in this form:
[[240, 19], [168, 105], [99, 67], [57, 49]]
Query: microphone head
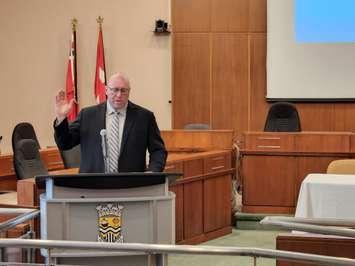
[[103, 132]]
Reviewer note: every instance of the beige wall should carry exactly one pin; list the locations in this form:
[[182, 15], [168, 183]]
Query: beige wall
[[34, 45]]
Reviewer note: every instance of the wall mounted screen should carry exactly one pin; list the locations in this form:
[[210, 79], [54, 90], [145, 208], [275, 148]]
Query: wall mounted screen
[[311, 50], [325, 20]]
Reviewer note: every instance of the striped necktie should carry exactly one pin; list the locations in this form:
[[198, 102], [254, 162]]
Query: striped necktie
[[113, 144]]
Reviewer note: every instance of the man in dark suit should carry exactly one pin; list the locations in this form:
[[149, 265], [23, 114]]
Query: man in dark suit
[[131, 131]]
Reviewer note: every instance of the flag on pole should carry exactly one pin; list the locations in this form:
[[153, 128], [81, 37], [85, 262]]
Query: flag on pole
[[100, 74], [71, 85]]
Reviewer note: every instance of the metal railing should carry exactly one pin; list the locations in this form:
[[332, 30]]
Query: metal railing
[[54, 247], [159, 250], [327, 226], [23, 215]]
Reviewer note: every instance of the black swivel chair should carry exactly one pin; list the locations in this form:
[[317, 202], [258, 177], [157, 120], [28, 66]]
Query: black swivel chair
[[24, 130], [27, 160], [282, 117], [71, 158]]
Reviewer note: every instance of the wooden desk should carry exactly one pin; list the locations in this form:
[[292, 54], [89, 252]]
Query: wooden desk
[[203, 194], [274, 165], [175, 140], [315, 244]]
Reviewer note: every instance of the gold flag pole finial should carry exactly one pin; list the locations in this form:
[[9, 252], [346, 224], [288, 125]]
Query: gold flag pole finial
[[100, 20], [74, 21]]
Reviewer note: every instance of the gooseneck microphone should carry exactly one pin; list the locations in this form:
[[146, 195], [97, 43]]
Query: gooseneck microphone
[[103, 135]]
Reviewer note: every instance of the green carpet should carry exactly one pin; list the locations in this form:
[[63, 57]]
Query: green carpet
[[238, 238]]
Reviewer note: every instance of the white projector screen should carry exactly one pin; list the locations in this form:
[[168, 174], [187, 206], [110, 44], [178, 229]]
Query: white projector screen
[[317, 63]]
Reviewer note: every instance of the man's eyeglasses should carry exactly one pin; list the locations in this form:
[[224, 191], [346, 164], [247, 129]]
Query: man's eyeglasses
[[117, 90]]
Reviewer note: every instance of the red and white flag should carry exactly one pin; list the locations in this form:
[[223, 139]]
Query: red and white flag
[[100, 74], [71, 85]]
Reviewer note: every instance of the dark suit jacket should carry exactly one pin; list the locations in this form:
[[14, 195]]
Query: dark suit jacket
[[140, 133]]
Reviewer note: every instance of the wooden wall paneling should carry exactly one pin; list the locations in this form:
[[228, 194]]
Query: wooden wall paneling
[[316, 116], [311, 164], [191, 79], [193, 212], [258, 105], [212, 17], [217, 202], [257, 15], [179, 211], [191, 16], [230, 16], [344, 114], [276, 173], [230, 81]]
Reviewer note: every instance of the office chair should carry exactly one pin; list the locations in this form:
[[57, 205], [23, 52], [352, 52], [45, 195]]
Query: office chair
[[282, 117], [342, 167], [197, 126], [24, 130], [27, 160], [71, 158]]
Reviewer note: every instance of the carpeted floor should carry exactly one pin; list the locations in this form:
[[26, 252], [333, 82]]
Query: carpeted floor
[[238, 238]]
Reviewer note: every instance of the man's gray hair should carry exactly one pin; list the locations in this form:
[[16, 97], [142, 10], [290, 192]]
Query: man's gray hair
[[119, 75]]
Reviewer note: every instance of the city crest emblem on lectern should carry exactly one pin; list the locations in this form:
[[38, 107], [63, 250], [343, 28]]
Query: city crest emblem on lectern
[[109, 223]]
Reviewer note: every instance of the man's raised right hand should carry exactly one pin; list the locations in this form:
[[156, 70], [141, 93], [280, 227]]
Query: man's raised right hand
[[62, 106]]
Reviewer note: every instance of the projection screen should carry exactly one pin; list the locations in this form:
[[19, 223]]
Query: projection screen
[[311, 50]]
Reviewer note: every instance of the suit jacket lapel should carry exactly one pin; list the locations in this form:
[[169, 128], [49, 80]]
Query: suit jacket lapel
[[102, 116], [130, 119]]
